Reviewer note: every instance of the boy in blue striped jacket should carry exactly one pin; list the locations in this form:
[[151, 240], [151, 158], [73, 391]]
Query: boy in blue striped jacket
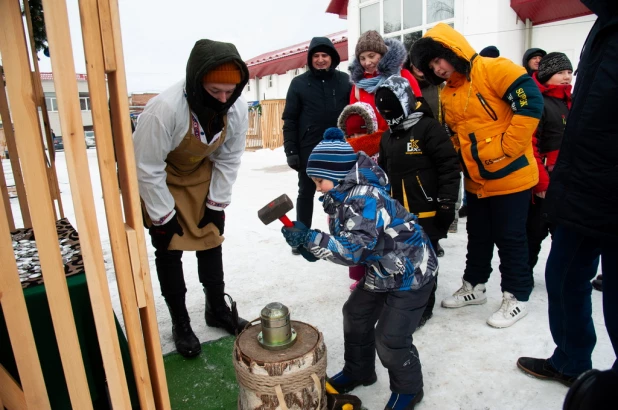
[[367, 227]]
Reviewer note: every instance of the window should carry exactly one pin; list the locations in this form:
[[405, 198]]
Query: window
[[84, 103], [406, 20], [370, 18], [270, 81], [51, 103]]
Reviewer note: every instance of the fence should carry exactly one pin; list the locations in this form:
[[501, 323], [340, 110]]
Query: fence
[[266, 130]]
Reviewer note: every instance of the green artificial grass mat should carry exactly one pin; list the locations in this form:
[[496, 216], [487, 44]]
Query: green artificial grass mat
[[205, 382]]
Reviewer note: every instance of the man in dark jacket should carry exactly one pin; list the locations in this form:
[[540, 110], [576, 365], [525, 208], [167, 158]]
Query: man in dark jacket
[[532, 58], [582, 202], [314, 101]]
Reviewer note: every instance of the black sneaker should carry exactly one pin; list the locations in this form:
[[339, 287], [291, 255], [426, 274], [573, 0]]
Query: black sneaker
[[345, 384], [542, 369]]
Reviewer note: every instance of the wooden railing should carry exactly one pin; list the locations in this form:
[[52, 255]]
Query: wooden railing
[[266, 130]]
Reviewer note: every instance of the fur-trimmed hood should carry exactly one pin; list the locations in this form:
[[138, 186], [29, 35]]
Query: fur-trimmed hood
[[365, 111], [390, 63], [445, 42]]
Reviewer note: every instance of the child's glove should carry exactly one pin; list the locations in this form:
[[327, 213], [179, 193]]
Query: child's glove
[[296, 235], [445, 215], [161, 235], [307, 254]]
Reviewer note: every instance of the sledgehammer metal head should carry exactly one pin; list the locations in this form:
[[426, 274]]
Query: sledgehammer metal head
[[276, 209]]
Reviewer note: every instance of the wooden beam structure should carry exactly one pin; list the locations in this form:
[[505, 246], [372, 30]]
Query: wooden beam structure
[[102, 43]]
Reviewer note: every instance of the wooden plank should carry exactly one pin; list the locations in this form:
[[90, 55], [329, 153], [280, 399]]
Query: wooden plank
[[11, 146], [107, 36], [105, 153], [83, 199], [123, 143], [39, 99], [11, 393], [135, 266], [26, 120], [18, 324]]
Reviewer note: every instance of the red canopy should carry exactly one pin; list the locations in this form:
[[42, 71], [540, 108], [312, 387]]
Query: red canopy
[[338, 7], [547, 11], [283, 60]]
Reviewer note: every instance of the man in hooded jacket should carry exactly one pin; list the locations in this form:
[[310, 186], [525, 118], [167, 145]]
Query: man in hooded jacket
[[188, 143], [313, 103]]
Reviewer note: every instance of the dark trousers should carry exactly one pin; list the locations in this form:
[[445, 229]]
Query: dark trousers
[[397, 315], [432, 297], [499, 220], [537, 229], [573, 262], [171, 277], [306, 190]]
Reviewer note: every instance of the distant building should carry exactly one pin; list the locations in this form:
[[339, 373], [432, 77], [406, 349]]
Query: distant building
[[271, 73], [511, 25], [47, 81]]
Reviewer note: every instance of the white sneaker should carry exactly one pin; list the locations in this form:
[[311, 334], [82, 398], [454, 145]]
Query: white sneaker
[[466, 295], [510, 312]]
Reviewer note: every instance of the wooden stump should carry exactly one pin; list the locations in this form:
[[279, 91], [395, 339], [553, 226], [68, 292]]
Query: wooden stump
[[294, 376]]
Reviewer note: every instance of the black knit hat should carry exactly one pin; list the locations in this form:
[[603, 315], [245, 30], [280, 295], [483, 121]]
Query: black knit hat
[[551, 64], [490, 51]]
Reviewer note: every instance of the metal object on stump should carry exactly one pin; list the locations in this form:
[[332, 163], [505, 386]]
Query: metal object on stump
[[277, 332], [280, 365]]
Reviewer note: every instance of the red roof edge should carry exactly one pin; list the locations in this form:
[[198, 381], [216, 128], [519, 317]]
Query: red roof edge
[[338, 7], [548, 11]]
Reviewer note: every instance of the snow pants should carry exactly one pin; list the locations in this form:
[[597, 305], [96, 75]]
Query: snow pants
[[397, 314]]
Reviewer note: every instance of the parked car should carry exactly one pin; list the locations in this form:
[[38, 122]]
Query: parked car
[[90, 141], [58, 145]]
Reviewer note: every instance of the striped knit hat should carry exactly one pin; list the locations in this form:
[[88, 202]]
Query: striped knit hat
[[332, 158]]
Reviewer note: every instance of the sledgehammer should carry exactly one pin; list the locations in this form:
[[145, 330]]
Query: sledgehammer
[[277, 209]]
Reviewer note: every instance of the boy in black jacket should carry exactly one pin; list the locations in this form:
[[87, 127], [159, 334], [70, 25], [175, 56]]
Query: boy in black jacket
[[420, 161]]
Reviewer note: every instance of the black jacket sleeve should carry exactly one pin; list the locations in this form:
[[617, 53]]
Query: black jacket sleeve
[[440, 149], [290, 117]]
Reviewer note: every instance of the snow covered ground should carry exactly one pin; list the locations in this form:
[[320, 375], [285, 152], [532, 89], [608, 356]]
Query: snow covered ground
[[466, 364]]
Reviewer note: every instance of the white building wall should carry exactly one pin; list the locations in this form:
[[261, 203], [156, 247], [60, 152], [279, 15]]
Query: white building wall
[[54, 117], [280, 85], [494, 22], [566, 36]]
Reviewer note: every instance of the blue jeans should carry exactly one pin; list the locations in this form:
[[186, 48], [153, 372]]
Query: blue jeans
[[572, 264], [499, 220]]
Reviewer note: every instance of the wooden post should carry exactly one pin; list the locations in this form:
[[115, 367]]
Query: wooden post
[[13, 155], [93, 47], [18, 325], [19, 85], [39, 101], [123, 143]]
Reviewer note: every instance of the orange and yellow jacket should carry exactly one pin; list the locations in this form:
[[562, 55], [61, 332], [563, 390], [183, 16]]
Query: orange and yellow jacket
[[493, 112]]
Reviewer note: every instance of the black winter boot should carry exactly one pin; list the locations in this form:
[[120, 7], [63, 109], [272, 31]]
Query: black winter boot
[[187, 344], [219, 314]]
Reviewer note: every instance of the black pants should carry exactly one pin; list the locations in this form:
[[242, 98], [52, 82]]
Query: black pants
[[171, 277], [537, 229], [306, 190], [397, 315], [499, 220]]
